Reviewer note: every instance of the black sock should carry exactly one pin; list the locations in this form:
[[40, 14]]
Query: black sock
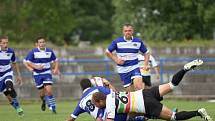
[[42, 98], [183, 115], [178, 77]]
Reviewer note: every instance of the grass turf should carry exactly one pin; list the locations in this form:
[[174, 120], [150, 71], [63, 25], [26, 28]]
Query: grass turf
[[33, 112]]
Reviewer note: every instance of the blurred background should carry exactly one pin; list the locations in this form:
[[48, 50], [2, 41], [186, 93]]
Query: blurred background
[[79, 31]]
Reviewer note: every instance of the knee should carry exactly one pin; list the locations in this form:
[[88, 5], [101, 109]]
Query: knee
[[10, 89], [48, 92], [138, 86], [9, 85]]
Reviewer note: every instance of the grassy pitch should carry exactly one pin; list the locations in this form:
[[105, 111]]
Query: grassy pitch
[[33, 112]]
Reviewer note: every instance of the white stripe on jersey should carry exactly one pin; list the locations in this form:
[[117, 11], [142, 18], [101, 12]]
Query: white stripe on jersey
[[73, 116], [7, 74], [46, 72], [121, 69], [5, 56], [42, 54], [129, 44], [140, 106], [110, 105], [4, 68], [48, 82], [127, 56]]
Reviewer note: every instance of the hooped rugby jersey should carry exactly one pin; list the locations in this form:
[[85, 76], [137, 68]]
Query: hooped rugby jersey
[[44, 57], [124, 102], [85, 104], [127, 50], [6, 57]]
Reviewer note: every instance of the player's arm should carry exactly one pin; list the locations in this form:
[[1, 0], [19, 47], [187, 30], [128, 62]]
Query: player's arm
[[18, 74], [156, 67], [27, 66], [28, 62], [34, 66], [109, 53], [70, 118], [108, 84], [113, 57], [78, 110], [146, 60], [157, 72], [55, 70], [55, 64], [110, 106], [16, 68]]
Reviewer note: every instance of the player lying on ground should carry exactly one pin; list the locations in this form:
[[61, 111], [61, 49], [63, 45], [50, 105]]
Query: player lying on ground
[[85, 104], [148, 101]]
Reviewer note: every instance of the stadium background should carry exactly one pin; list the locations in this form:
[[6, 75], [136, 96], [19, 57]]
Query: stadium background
[[175, 31], [80, 63]]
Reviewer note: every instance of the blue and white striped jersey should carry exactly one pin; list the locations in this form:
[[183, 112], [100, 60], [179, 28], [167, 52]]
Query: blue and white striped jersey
[[85, 104], [44, 57], [6, 57], [128, 51]]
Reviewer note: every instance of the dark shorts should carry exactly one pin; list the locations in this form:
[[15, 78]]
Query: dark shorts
[[3, 82], [128, 77], [147, 80], [43, 79], [152, 102], [121, 117]]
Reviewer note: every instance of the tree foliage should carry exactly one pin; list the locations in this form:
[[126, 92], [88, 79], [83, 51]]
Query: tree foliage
[[65, 21], [168, 19], [59, 20]]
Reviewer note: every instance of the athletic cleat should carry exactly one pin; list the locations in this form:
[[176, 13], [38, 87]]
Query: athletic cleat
[[204, 114], [43, 106], [193, 64], [20, 111], [54, 111]]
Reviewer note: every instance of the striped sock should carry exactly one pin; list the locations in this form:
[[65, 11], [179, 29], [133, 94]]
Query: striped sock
[[52, 102], [15, 103]]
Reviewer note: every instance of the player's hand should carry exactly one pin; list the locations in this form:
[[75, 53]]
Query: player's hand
[[30, 69], [56, 71], [70, 119], [119, 61], [40, 67], [145, 68], [19, 80]]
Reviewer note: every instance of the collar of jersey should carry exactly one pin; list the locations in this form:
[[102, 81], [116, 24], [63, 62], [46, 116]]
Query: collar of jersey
[[3, 50], [41, 50], [86, 89], [128, 40]]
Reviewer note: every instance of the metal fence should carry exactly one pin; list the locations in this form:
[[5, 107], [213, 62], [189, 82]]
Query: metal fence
[[67, 87]]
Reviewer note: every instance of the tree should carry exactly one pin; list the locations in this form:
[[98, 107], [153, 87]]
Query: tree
[[167, 19]]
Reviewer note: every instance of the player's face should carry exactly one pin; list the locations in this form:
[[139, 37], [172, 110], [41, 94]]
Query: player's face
[[99, 104], [128, 32], [4, 44], [41, 43]]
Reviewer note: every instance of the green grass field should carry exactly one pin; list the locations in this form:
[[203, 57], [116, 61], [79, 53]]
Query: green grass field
[[33, 112]]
